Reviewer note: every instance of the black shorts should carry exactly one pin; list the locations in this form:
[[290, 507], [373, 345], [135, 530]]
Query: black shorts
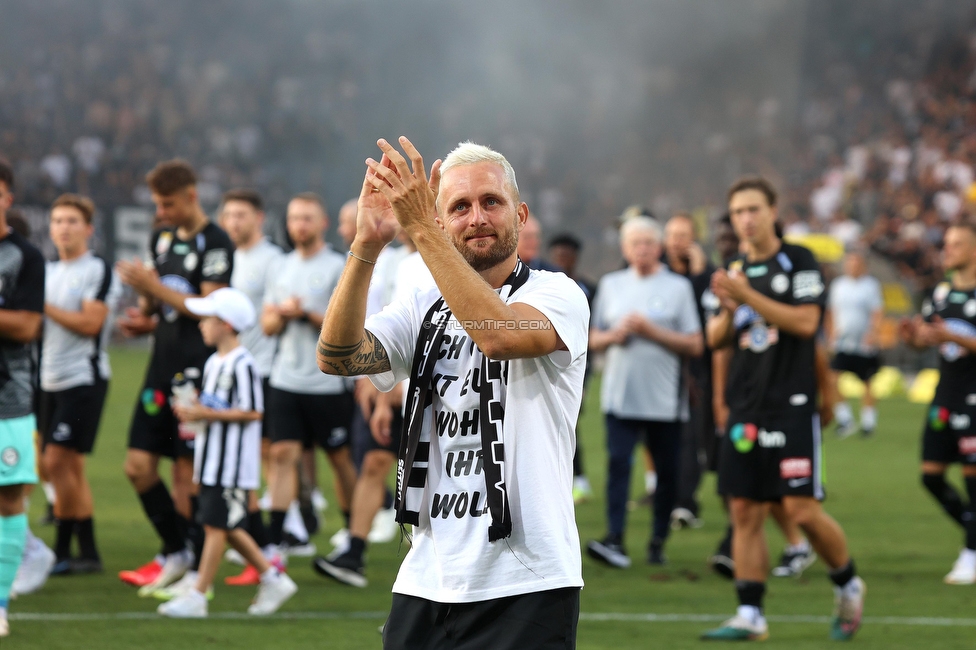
[[544, 620], [70, 417], [864, 367], [265, 425], [768, 456], [396, 429], [154, 428], [949, 435], [220, 507], [323, 420]]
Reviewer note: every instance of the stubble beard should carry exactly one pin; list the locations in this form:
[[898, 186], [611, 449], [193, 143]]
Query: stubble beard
[[484, 258]]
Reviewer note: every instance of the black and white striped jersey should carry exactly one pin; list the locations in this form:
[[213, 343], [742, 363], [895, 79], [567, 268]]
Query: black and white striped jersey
[[228, 454]]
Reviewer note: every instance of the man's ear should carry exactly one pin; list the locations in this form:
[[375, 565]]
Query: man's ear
[[523, 215]]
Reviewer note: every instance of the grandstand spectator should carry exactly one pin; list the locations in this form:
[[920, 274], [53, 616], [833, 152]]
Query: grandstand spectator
[[191, 257], [855, 308], [305, 408], [770, 311], [530, 244], [81, 293], [645, 318], [21, 314], [948, 320]]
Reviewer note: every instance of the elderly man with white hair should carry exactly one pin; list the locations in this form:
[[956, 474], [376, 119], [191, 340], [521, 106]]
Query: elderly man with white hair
[[495, 354], [646, 320]]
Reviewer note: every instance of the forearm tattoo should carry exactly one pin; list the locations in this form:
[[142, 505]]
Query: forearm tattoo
[[368, 357]]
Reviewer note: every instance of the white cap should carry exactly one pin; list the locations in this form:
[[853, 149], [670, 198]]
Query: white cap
[[227, 304]]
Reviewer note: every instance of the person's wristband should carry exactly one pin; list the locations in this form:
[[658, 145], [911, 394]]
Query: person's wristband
[[361, 259]]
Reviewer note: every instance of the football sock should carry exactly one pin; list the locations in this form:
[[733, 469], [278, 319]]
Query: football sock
[[869, 418], [345, 518], [277, 526], [309, 518], [842, 575], [751, 594], [13, 536], [194, 533], [650, 482], [843, 414], [357, 546], [62, 538], [946, 495], [257, 529], [85, 532], [969, 515], [159, 508]]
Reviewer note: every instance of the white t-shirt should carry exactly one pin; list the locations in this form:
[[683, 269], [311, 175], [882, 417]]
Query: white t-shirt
[[451, 560], [254, 269], [852, 303]]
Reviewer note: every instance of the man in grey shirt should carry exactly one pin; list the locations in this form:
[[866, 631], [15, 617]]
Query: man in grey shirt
[[855, 308], [305, 407], [256, 260], [646, 319]]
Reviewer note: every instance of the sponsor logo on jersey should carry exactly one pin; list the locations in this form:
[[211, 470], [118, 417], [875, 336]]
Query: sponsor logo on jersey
[[953, 351], [772, 439], [152, 401], [9, 456], [163, 243], [757, 271], [957, 297], [176, 283], [969, 309], [216, 262], [181, 249], [799, 399], [758, 338], [190, 261], [938, 418], [743, 437], [807, 284], [798, 482], [795, 468], [780, 283], [941, 292]]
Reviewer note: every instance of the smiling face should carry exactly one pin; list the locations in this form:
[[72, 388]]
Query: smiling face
[[480, 213], [69, 231], [958, 248]]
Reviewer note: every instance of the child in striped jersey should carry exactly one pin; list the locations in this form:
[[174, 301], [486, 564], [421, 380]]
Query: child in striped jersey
[[227, 454]]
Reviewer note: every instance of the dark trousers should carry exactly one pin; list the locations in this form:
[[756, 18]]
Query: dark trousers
[[544, 620], [663, 440]]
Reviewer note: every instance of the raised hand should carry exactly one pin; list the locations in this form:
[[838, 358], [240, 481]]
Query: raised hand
[[376, 225], [410, 194]]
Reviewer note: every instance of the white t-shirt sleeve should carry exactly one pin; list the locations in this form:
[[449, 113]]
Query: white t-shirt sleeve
[[597, 319], [396, 327], [689, 323], [877, 296], [564, 304]]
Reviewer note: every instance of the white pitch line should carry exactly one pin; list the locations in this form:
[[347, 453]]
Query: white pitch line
[[594, 617]]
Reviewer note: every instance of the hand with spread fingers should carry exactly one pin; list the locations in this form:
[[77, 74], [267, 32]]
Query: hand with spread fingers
[[376, 225], [410, 195]]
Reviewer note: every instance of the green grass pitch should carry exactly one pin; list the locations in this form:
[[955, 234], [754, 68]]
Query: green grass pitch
[[901, 541]]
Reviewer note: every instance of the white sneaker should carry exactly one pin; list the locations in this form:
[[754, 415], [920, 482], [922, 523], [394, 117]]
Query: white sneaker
[[964, 570], [35, 566], [234, 557], [319, 502], [272, 594], [340, 539], [176, 565], [181, 587], [192, 604], [4, 625], [384, 527], [294, 523]]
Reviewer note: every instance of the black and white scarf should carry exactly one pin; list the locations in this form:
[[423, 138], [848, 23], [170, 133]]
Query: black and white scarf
[[414, 453]]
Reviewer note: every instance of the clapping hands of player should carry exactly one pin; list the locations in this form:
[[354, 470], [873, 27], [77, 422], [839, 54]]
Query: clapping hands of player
[[135, 274], [410, 194], [730, 287], [291, 308]]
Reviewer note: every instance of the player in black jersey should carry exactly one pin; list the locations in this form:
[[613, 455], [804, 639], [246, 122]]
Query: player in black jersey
[[948, 320], [190, 257], [771, 304]]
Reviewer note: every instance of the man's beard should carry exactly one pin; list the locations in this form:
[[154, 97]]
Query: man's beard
[[482, 259]]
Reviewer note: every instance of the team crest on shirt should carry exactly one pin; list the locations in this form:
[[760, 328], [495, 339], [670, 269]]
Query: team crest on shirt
[[758, 338], [941, 292], [190, 261], [780, 283], [969, 308], [10, 456], [164, 242], [215, 262]]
